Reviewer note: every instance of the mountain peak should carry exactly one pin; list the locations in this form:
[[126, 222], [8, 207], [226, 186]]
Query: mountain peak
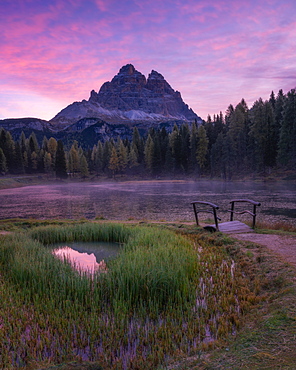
[[129, 97], [155, 75], [128, 69]]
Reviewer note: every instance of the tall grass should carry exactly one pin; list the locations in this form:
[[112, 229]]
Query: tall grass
[[157, 269], [82, 232], [164, 294]]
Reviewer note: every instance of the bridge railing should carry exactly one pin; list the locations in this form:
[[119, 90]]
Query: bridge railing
[[251, 213], [206, 207]]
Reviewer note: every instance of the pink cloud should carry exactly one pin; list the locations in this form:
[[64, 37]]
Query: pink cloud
[[67, 48]]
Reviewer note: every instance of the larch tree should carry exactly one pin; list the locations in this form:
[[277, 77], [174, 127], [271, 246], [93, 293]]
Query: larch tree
[[114, 162], [84, 172]]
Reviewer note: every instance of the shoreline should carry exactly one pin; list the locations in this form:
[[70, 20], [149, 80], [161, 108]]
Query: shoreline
[[7, 182]]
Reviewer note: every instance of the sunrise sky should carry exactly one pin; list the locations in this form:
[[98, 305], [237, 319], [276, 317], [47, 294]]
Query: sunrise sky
[[215, 52]]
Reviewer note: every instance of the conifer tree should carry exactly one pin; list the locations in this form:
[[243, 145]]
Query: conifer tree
[[3, 167], [287, 142], [137, 142], [23, 142], [73, 159], [176, 144], [84, 172], [193, 146], [202, 147], [262, 132], [113, 162], [122, 156], [7, 145], [52, 148], [34, 161], [44, 145], [133, 158], [99, 159], [19, 162], [33, 143], [60, 161], [108, 145], [47, 162], [149, 154]]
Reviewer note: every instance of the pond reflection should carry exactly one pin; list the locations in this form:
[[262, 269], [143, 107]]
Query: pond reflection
[[88, 257]]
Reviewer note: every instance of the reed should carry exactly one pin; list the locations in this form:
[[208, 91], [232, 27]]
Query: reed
[[165, 294], [158, 269]]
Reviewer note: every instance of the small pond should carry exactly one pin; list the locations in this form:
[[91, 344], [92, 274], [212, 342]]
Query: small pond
[[87, 256]]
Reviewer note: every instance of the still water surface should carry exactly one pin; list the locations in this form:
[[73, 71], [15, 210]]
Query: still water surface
[[87, 256], [145, 200]]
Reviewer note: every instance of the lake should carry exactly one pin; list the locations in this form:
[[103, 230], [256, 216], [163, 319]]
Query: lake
[[145, 200]]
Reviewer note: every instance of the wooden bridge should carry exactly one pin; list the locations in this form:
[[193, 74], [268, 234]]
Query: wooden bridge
[[226, 227]]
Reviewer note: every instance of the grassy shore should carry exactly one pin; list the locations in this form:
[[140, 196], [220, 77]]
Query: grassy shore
[[176, 297]]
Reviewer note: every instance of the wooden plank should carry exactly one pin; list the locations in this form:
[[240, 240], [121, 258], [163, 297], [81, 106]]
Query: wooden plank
[[232, 227]]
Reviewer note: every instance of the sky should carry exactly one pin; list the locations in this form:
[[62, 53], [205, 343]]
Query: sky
[[215, 52]]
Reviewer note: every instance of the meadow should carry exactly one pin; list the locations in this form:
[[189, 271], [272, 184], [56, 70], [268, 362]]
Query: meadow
[[169, 294]]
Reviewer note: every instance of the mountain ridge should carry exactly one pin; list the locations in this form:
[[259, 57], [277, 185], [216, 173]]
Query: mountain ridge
[[129, 98]]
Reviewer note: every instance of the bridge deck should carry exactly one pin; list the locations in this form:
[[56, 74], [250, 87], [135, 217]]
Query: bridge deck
[[233, 227]]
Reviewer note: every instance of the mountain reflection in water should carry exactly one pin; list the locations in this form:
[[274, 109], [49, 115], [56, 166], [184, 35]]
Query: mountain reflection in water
[[87, 256]]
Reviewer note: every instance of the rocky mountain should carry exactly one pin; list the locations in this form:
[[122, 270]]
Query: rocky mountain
[[10, 124], [129, 98]]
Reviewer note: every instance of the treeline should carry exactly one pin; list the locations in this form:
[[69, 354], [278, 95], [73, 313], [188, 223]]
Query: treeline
[[241, 142]]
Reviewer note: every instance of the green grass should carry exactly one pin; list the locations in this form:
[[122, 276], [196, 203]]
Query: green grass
[[169, 295]]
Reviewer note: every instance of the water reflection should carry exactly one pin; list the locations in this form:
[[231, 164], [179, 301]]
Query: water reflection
[[145, 200], [87, 256]]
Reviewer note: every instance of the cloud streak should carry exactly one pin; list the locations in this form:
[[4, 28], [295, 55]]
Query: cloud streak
[[214, 52]]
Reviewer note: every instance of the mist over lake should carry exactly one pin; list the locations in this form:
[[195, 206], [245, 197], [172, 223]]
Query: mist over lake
[[145, 200]]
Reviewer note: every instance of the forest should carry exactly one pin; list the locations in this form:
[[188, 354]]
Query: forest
[[242, 142]]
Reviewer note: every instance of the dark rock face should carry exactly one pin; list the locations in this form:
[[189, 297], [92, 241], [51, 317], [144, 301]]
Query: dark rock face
[[129, 98], [129, 90]]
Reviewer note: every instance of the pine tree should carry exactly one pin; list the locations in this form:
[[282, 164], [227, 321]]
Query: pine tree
[[287, 142], [3, 167], [149, 153], [137, 143], [99, 159], [19, 162], [23, 142], [239, 134], [84, 172], [44, 145], [175, 143], [33, 143], [202, 147], [193, 146], [262, 133], [108, 146], [185, 147], [60, 161], [7, 145], [133, 158], [47, 162]]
